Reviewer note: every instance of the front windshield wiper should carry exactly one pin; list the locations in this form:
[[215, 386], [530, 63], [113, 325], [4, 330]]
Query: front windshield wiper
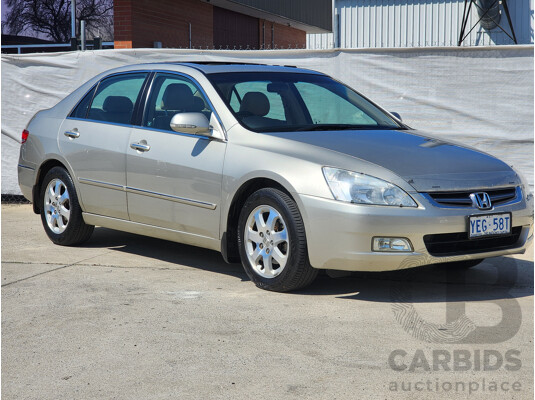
[[339, 127], [325, 127]]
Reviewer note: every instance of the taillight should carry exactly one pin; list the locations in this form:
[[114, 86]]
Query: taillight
[[25, 135]]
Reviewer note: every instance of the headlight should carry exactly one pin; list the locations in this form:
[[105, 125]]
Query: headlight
[[354, 187], [526, 188]]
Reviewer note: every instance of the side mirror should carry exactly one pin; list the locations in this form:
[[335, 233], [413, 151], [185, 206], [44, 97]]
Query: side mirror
[[194, 123], [395, 114]]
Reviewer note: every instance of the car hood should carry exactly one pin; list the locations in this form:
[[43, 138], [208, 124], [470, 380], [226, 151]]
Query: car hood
[[425, 162]]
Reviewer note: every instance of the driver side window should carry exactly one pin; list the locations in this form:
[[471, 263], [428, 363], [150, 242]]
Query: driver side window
[[170, 95]]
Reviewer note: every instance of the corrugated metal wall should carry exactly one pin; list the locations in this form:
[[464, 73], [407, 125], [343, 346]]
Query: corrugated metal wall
[[417, 23]]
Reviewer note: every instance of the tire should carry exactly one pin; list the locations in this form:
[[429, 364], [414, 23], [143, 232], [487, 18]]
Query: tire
[[460, 265], [274, 257], [61, 214]]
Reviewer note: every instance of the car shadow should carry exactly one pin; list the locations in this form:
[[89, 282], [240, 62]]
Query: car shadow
[[495, 278], [163, 250]]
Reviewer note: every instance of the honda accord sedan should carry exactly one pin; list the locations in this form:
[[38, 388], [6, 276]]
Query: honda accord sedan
[[285, 170]]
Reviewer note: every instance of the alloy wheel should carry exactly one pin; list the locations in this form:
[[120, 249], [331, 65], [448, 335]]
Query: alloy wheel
[[57, 206], [266, 241]]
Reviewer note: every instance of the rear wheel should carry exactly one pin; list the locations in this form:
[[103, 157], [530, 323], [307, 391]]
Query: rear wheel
[[272, 242], [61, 214]]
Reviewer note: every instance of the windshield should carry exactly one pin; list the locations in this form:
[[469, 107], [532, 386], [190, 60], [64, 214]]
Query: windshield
[[277, 101]]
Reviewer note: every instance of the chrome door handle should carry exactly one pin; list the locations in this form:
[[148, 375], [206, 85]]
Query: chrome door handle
[[72, 134], [140, 147]]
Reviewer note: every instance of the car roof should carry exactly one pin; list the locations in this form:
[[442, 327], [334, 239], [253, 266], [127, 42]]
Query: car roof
[[207, 68], [220, 67]]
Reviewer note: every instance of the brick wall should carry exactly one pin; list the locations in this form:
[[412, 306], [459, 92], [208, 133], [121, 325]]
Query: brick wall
[[284, 36], [140, 23], [234, 29], [122, 21]]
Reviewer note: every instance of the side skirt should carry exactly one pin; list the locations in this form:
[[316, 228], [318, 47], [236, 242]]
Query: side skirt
[[152, 231]]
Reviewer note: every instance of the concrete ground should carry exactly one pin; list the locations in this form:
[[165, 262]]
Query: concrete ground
[[130, 317]]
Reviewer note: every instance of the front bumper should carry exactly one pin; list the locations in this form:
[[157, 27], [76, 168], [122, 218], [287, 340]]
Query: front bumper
[[339, 235]]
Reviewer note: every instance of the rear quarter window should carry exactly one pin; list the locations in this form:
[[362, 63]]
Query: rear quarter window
[[81, 109]]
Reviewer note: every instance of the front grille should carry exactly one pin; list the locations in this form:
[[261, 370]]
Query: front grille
[[445, 244], [462, 199]]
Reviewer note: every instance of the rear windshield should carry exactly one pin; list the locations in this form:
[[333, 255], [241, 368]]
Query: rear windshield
[[278, 101]]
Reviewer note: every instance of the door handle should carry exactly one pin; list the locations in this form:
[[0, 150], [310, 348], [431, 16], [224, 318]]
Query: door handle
[[140, 147], [72, 134]]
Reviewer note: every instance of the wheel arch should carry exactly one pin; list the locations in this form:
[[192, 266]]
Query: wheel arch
[[43, 169], [229, 239]]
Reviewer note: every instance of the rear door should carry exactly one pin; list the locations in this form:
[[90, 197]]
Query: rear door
[[174, 178], [94, 139]]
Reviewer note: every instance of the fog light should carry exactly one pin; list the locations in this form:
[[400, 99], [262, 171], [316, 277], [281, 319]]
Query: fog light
[[391, 244]]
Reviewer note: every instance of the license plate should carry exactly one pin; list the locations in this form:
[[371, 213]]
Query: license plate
[[488, 225]]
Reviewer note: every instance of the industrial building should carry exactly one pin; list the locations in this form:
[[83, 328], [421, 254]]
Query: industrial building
[[219, 24], [425, 23]]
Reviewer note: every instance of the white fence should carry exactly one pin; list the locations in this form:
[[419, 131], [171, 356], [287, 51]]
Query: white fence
[[480, 96]]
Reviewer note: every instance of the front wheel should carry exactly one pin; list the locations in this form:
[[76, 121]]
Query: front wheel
[[61, 214], [272, 242]]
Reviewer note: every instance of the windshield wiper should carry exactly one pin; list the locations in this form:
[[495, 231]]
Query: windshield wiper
[[327, 127], [339, 127]]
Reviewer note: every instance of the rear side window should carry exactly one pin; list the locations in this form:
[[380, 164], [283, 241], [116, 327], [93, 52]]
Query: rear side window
[[115, 98], [81, 109]]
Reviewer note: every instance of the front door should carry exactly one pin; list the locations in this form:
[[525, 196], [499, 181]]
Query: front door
[[173, 178]]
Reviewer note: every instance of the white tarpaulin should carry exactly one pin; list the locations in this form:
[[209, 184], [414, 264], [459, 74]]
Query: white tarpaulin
[[480, 96]]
